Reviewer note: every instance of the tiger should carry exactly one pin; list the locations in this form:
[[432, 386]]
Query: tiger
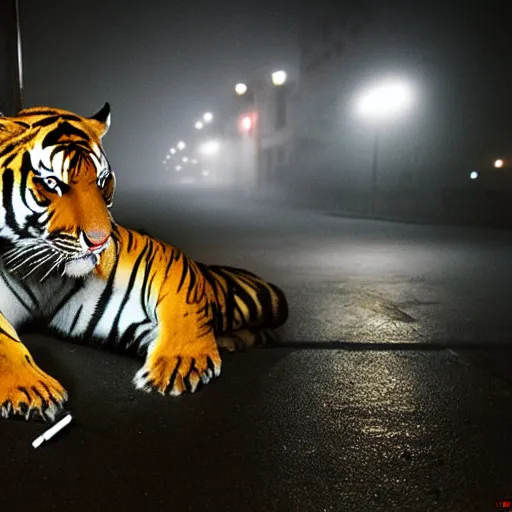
[[66, 265]]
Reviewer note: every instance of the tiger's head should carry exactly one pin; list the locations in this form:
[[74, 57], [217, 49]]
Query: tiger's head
[[56, 189]]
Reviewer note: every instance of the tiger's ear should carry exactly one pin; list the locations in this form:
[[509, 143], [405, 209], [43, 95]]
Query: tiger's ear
[[10, 128], [101, 120]]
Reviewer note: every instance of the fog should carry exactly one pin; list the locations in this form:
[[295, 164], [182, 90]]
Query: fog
[[162, 65]]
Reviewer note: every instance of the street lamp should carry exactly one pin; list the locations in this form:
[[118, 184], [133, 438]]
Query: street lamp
[[178, 168], [173, 151], [208, 117], [498, 163], [184, 159], [379, 103], [279, 77], [384, 100], [199, 125], [240, 89], [473, 175], [181, 145]]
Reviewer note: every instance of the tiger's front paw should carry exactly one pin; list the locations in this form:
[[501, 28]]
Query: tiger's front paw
[[176, 374], [30, 392]]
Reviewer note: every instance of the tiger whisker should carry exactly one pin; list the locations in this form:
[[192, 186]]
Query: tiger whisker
[[11, 258], [58, 262], [22, 245], [40, 263], [25, 261]]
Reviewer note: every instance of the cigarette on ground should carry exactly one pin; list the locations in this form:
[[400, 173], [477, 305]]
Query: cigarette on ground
[[45, 436]]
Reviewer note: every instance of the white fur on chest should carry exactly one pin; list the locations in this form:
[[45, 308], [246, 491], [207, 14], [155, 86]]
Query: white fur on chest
[[73, 312], [121, 309]]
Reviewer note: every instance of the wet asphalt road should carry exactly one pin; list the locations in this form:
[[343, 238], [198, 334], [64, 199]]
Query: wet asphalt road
[[312, 427]]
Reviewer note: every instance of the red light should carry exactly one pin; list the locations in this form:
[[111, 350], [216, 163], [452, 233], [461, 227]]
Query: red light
[[247, 122]]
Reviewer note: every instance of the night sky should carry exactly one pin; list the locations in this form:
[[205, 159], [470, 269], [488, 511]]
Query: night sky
[[160, 63]]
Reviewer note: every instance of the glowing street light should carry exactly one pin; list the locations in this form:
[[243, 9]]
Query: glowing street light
[[279, 77], [246, 123], [385, 100], [173, 151], [210, 147], [181, 145], [208, 117], [379, 103], [199, 125], [240, 89], [498, 163], [473, 175], [185, 159], [178, 168]]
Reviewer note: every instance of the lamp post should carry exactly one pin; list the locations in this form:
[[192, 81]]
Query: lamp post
[[380, 103], [11, 82], [19, 67]]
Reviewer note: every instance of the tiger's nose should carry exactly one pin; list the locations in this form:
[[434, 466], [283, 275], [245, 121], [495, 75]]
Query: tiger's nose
[[95, 239]]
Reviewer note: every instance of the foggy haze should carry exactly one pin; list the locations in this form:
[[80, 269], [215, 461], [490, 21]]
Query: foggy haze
[[157, 63], [161, 62]]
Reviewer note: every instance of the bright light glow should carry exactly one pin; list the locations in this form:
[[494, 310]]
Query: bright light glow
[[498, 163], [240, 89], [246, 123], [167, 157], [178, 168], [210, 147], [194, 161], [181, 145], [185, 159], [385, 100], [199, 125], [205, 173], [173, 151], [208, 117], [474, 175], [279, 77]]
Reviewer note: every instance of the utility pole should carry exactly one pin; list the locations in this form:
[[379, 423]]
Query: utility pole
[[374, 170], [11, 70]]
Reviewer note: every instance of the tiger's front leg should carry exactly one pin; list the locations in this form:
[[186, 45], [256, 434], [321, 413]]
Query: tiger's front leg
[[184, 353], [24, 388]]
